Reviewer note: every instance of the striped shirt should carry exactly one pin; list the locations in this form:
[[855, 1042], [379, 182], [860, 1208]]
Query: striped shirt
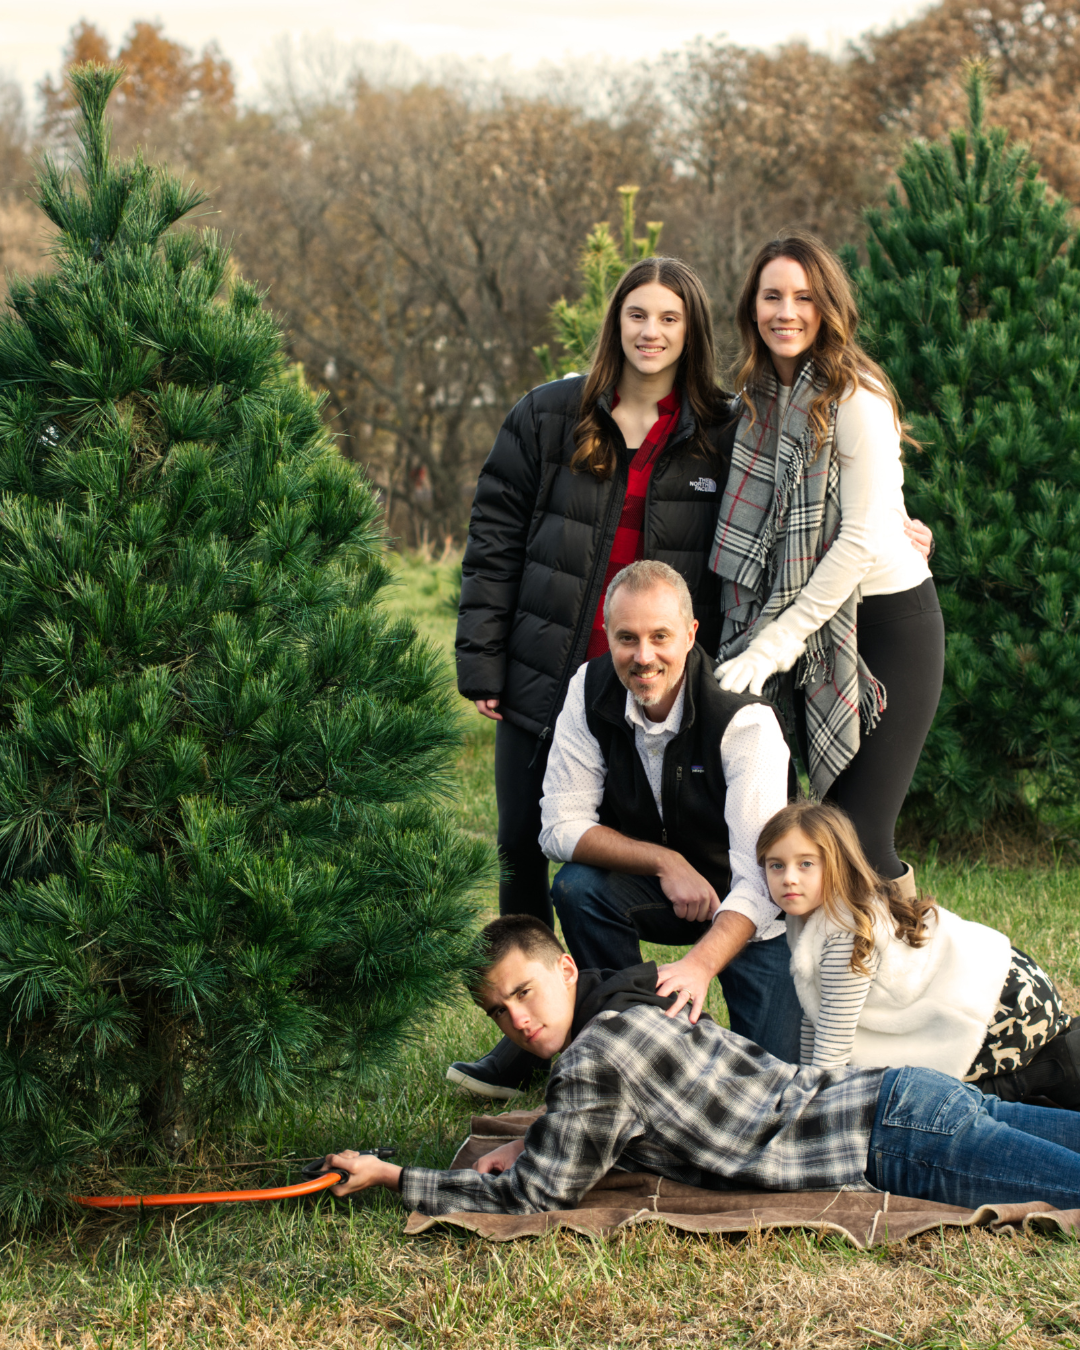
[[698, 1104], [629, 543], [843, 993]]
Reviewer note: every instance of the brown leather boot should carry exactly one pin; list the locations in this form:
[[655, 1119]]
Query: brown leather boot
[[906, 883]]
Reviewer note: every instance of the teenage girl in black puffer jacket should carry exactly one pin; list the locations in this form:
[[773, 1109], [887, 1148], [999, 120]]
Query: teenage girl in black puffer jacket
[[548, 504]]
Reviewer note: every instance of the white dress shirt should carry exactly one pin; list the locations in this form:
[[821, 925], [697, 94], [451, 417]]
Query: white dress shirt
[[754, 755]]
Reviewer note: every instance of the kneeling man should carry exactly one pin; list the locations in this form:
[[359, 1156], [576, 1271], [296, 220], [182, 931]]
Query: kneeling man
[[641, 1087], [657, 787]]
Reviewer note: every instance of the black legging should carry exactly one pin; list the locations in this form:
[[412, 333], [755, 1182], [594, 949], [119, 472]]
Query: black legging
[[902, 640], [520, 761]]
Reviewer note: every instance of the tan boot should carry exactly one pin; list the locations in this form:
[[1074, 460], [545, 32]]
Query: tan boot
[[905, 883]]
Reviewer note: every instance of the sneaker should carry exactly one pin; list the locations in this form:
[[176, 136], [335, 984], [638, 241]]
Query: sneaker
[[502, 1073]]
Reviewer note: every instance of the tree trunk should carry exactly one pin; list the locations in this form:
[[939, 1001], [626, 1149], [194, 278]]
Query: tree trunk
[[163, 1107]]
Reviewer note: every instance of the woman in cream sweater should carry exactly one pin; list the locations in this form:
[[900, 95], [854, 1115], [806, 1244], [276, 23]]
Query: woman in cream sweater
[[817, 567]]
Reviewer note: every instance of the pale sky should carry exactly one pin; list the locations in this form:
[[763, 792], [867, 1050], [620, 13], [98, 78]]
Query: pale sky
[[508, 32]]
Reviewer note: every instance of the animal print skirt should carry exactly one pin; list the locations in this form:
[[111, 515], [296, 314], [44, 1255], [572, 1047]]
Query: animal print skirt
[[1029, 1013]]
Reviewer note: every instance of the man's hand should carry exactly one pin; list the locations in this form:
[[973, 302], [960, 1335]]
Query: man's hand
[[486, 708], [499, 1159], [720, 943], [921, 536], [689, 978], [364, 1169], [691, 896]]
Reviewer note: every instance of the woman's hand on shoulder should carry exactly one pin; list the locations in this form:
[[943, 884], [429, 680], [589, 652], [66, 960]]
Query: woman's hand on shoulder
[[774, 649]]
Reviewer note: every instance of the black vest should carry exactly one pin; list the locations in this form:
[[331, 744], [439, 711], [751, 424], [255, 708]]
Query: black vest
[[692, 789]]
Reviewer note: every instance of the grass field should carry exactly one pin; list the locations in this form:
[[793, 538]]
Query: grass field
[[314, 1273]]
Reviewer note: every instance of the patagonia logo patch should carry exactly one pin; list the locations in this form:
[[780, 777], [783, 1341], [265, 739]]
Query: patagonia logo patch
[[697, 768], [704, 484]]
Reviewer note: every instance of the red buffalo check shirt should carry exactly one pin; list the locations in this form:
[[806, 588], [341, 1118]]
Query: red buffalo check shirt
[[629, 544]]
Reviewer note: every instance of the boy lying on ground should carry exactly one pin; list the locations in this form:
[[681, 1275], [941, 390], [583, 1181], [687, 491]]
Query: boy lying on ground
[[641, 1089]]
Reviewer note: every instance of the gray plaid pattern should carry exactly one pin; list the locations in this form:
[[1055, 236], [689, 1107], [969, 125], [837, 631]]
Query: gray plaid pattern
[[647, 1092], [774, 528]]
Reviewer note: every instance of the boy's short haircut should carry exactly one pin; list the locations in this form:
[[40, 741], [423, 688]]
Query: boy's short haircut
[[514, 932]]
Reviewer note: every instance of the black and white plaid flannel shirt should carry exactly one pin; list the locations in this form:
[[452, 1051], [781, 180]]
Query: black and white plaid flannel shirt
[[697, 1104]]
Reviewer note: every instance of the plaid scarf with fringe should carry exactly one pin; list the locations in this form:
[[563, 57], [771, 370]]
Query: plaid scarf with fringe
[[779, 515]]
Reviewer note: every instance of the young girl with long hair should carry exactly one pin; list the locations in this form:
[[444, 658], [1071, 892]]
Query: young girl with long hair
[[812, 547], [890, 980]]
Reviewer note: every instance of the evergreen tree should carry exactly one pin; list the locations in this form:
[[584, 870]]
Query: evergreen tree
[[970, 302], [224, 883], [603, 262]]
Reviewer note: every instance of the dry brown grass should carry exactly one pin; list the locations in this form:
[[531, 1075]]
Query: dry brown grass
[[1025, 843], [647, 1288]]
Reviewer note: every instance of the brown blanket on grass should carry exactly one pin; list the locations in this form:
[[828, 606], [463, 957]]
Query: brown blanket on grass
[[865, 1218]]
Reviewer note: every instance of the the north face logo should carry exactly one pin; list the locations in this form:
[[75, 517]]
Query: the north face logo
[[704, 485]]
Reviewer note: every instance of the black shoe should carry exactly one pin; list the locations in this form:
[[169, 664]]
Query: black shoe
[[1053, 1074], [502, 1072]]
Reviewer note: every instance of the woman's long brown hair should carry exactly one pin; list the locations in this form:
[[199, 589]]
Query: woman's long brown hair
[[852, 892], [696, 375], [840, 363]]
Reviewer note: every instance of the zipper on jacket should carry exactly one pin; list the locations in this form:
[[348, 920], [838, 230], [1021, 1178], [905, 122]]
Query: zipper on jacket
[[670, 803], [670, 800], [592, 599], [539, 742], [671, 445]]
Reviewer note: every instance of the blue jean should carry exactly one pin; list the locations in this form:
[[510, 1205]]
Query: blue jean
[[935, 1138], [605, 916]]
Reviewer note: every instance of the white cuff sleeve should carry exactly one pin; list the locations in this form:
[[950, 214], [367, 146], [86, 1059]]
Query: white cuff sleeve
[[752, 908], [780, 645], [574, 779], [755, 757]]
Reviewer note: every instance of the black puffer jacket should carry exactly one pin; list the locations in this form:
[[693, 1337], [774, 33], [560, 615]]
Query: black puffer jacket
[[539, 541]]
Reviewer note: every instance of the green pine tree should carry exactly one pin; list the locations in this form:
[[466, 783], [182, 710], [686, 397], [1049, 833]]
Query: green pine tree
[[603, 261], [224, 882], [970, 301]]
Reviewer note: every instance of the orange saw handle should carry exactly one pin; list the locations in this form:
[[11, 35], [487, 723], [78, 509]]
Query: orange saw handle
[[315, 1179], [320, 1183]]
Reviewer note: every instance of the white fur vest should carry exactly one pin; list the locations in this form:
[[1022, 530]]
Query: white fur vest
[[928, 1006]]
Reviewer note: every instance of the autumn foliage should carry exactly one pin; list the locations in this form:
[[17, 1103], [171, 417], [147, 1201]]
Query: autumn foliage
[[414, 236], [161, 76]]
